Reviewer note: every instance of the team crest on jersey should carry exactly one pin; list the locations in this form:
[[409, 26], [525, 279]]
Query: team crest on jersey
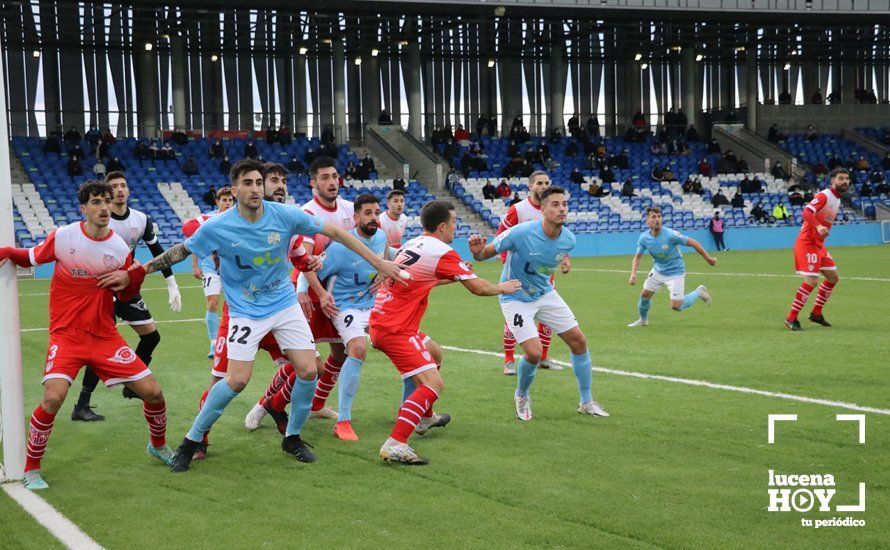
[[273, 238], [124, 355], [110, 261], [561, 256], [664, 247]]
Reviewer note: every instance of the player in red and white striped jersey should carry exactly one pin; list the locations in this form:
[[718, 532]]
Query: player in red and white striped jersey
[[521, 212], [393, 222], [810, 255], [81, 323]]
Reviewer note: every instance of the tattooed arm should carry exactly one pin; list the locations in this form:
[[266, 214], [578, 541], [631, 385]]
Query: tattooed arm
[[174, 255], [121, 279]]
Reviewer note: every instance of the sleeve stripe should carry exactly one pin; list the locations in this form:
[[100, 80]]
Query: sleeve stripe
[[31, 256], [810, 207], [152, 241]]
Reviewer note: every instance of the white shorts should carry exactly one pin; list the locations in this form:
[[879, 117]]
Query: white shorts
[[212, 285], [549, 309], [352, 323], [676, 284], [289, 327]]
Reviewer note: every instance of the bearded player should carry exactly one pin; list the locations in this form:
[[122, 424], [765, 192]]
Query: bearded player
[[810, 255]]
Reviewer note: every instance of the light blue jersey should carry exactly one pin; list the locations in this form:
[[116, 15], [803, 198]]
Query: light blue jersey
[[665, 249], [532, 257], [253, 257], [352, 274], [208, 265]]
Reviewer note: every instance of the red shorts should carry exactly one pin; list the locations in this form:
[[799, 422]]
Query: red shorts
[[407, 350], [110, 357], [220, 351], [322, 327], [810, 259]]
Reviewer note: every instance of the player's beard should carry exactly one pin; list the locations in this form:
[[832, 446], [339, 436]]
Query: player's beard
[[369, 229]]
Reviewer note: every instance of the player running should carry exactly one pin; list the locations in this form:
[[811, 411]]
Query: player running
[[132, 226], [534, 250], [252, 242], [810, 255], [205, 270], [393, 222], [395, 324], [525, 211], [668, 268], [81, 323]]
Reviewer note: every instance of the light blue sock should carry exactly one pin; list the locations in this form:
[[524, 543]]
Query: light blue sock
[[212, 320], [300, 403], [581, 365], [689, 300], [348, 387], [643, 306], [218, 399], [408, 388], [526, 374]]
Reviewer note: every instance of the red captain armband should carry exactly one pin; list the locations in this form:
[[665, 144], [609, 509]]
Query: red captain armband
[[19, 256]]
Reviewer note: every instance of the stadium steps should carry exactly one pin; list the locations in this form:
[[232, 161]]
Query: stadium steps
[[17, 171], [392, 142], [865, 141], [383, 170], [754, 148], [464, 213]]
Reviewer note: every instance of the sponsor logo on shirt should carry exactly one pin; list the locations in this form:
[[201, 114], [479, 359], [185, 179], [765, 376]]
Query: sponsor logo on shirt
[[273, 238]]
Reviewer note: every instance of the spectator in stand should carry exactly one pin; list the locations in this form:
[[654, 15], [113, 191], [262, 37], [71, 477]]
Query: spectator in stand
[[250, 150], [622, 162], [101, 150], [816, 98], [452, 179], [481, 125], [876, 177], [785, 98], [462, 136], [819, 168], [349, 172], [534, 156], [714, 147], [451, 149], [210, 196], [704, 167], [489, 191], [742, 165], [99, 169], [72, 136], [572, 149], [74, 167], [810, 133], [179, 138], [76, 151], [503, 190], [882, 189], [687, 185], [691, 134], [513, 149], [717, 228], [141, 151], [190, 166], [727, 164], [217, 150], [516, 199], [780, 213], [574, 125], [657, 148], [668, 174], [271, 135], [862, 164], [657, 174], [865, 190], [732, 117], [108, 137], [492, 127], [362, 171], [309, 156], [885, 162], [607, 175], [165, 152], [576, 176], [719, 199], [774, 135], [53, 144], [115, 165], [225, 166], [627, 188], [295, 166], [795, 196], [436, 138], [738, 201], [327, 136], [758, 214], [384, 119], [593, 126], [778, 171], [93, 136], [284, 136], [638, 121], [398, 183]]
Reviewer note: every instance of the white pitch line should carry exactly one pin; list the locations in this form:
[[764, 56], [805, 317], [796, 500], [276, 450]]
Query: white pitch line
[[724, 274], [140, 290], [58, 525], [196, 319], [705, 384]]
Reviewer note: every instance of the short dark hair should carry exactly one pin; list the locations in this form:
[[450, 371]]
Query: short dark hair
[[93, 188], [836, 171], [244, 166], [274, 168], [116, 175], [362, 200], [395, 193], [319, 163], [552, 190], [652, 210], [434, 213]]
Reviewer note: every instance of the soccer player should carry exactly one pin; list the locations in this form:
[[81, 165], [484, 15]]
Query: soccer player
[[668, 268], [521, 212], [252, 242], [810, 256], [534, 250], [393, 222], [132, 226], [81, 323], [205, 269], [395, 324]]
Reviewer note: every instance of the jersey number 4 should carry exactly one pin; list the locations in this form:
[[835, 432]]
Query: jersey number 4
[[245, 332], [517, 320]]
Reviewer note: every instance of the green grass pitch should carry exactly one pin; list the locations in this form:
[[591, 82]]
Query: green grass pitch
[[675, 465]]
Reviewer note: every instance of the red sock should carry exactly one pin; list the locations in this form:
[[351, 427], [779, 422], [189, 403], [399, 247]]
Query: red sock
[[282, 398], [201, 401], [326, 383], [156, 416], [544, 333], [800, 299], [278, 381], [509, 345], [411, 412], [824, 294], [41, 426], [429, 410]]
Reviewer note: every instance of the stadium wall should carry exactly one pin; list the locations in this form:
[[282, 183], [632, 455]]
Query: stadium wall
[[624, 242]]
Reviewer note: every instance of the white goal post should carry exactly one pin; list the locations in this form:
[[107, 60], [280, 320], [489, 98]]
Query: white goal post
[[12, 407], [885, 231]]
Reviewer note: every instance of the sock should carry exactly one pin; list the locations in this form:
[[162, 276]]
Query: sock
[[90, 381], [581, 365], [509, 345], [544, 333], [526, 374], [689, 300], [643, 306], [408, 388], [147, 345], [278, 381], [212, 320], [326, 383], [217, 400], [411, 412], [282, 398], [205, 440], [349, 378], [824, 294], [800, 300], [156, 416], [299, 405], [41, 426]]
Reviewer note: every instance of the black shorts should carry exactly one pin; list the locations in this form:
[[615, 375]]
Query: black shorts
[[134, 312]]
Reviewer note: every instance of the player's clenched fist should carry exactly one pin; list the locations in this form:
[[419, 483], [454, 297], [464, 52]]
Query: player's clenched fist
[[633, 279], [476, 242], [711, 260]]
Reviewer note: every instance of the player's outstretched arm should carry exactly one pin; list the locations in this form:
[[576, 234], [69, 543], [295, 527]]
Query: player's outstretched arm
[[701, 250], [634, 266], [386, 268], [169, 258], [480, 250], [481, 287]]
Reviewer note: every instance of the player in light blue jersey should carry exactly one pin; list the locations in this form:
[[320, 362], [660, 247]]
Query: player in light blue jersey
[[535, 249], [663, 244], [350, 283], [252, 243]]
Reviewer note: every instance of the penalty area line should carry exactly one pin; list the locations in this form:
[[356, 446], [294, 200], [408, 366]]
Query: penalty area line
[[164, 322], [724, 274], [58, 525], [706, 384]]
